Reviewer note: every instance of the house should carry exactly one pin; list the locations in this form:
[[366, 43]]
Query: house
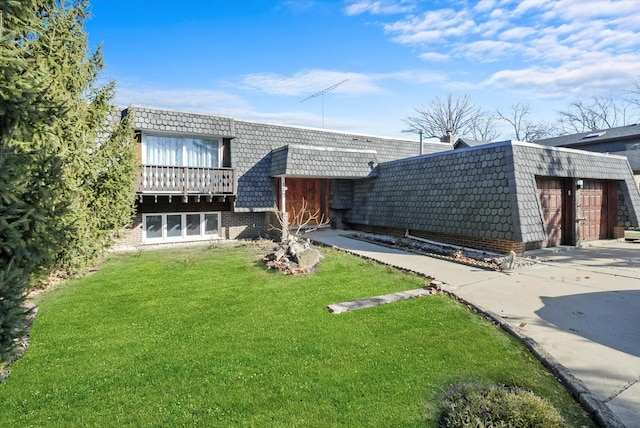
[[209, 177], [622, 140]]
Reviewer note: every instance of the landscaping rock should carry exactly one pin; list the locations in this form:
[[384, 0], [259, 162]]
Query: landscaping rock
[[295, 257], [309, 258]]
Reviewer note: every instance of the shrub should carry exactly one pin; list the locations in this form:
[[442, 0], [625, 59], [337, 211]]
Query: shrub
[[496, 406]]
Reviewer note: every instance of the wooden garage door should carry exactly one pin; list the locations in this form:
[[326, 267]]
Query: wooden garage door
[[550, 191], [594, 210]]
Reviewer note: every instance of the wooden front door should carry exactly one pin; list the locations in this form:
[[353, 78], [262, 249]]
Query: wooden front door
[[313, 192], [595, 205]]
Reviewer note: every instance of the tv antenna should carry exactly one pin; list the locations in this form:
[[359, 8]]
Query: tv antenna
[[321, 94]]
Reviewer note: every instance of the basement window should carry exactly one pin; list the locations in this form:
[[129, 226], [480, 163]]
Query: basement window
[[177, 227]]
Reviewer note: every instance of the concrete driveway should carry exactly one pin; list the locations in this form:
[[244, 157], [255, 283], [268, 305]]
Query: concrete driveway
[[582, 306], [579, 308]]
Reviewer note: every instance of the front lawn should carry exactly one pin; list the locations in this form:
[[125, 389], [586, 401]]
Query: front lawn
[[208, 337]]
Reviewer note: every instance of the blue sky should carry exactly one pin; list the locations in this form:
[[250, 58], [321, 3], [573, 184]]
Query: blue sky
[[258, 59]]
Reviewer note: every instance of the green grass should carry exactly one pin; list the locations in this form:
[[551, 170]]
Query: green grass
[[208, 337]]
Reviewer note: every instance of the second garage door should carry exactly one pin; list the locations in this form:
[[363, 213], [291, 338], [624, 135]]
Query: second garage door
[[595, 209]]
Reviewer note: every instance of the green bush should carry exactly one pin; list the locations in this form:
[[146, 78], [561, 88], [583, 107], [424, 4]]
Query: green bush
[[496, 406]]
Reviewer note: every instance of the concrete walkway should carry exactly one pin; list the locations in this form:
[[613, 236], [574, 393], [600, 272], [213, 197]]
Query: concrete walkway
[[579, 310]]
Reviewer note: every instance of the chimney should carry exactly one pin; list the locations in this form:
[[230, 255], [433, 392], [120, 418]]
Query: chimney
[[447, 138]]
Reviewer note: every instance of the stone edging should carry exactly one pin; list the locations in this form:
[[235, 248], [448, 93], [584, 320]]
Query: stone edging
[[467, 261]]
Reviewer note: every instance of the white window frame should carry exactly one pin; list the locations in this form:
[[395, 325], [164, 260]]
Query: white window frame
[[183, 137], [184, 236]]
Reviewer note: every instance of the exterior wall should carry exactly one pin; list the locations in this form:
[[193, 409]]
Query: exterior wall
[[251, 155], [483, 197], [130, 237], [493, 245], [245, 225], [531, 160], [340, 194], [607, 146], [467, 192], [233, 226]]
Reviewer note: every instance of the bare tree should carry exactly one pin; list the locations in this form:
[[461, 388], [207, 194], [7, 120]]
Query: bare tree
[[484, 128], [303, 220], [600, 113], [634, 96], [632, 100], [524, 130], [457, 116]]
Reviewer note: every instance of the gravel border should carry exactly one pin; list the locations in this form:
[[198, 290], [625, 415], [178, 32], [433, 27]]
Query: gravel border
[[452, 253]]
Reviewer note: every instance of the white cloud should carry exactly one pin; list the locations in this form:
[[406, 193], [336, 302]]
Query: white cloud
[[415, 76], [549, 46], [588, 77], [527, 6], [379, 7], [571, 10], [310, 82], [485, 5], [489, 50], [434, 56], [517, 33], [202, 100]]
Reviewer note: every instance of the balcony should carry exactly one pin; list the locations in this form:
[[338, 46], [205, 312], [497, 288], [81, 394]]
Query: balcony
[[183, 180]]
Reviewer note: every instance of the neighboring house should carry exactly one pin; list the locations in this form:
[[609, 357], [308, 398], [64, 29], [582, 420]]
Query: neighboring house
[[209, 177], [465, 143], [622, 140]]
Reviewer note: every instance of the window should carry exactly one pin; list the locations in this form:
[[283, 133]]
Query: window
[[211, 224], [193, 224], [171, 227], [154, 226], [174, 226], [181, 151]]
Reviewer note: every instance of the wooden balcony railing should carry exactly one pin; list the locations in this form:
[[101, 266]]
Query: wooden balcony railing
[[156, 179]]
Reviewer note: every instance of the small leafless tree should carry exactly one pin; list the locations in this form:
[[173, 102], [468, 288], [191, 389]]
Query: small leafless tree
[[523, 129], [301, 221], [455, 115], [633, 98], [600, 113], [484, 128]]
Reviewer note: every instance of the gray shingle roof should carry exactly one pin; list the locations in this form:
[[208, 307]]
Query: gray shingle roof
[[322, 162], [252, 144], [584, 138]]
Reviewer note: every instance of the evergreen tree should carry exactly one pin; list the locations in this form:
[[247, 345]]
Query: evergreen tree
[[67, 164]]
